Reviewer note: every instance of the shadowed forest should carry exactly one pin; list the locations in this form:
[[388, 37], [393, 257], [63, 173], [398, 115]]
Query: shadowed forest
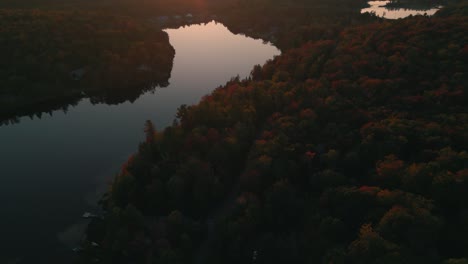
[[349, 147], [54, 56]]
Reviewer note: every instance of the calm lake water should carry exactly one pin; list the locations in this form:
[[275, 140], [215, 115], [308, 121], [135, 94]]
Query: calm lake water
[[380, 10], [55, 168]]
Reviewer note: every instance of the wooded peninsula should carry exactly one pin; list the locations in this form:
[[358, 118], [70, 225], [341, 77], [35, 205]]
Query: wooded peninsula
[[349, 147]]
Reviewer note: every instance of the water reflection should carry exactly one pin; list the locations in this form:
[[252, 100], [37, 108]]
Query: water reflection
[[52, 167], [389, 10], [108, 94]]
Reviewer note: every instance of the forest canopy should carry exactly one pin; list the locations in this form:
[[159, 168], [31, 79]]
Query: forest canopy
[[50, 55], [351, 148]]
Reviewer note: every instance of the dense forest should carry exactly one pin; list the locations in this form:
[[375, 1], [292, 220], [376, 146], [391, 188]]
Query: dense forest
[[289, 24], [350, 147], [135, 8], [416, 4], [54, 53], [52, 58]]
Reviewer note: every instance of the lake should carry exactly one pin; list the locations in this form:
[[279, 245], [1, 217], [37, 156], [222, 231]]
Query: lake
[[380, 10], [55, 168]]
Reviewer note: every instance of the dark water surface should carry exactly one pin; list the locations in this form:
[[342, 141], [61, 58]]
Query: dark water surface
[[53, 169]]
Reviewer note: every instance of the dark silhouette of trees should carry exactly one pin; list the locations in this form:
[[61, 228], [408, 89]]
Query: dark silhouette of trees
[[350, 149], [51, 59]]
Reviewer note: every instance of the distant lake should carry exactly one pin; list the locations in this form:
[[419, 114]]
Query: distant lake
[[381, 10], [55, 168]]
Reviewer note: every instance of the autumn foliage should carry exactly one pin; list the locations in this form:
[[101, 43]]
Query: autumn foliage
[[351, 149]]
